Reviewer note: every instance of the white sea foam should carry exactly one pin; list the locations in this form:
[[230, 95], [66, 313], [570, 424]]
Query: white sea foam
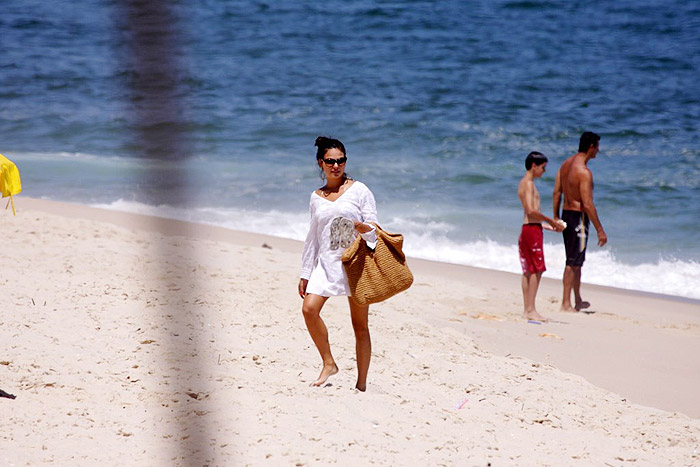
[[275, 223], [670, 277], [430, 241]]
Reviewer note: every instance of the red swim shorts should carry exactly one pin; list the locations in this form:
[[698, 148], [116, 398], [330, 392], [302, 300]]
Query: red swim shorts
[[531, 247]]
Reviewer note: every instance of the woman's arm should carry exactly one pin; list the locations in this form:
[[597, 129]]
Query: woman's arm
[[309, 254], [368, 213]]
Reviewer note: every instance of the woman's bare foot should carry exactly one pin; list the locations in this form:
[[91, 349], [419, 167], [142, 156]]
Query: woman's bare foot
[[533, 315], [326, 372]]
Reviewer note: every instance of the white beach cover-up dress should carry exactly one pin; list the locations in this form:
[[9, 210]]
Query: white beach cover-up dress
[[325, 242]]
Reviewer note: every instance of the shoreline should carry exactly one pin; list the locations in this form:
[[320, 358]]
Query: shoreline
[[134, 337], [173, 226]]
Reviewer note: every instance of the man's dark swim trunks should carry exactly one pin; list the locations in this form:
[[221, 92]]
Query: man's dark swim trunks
[[575, 236]]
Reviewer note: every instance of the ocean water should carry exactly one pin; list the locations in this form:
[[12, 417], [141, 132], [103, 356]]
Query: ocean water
[[438, 103]]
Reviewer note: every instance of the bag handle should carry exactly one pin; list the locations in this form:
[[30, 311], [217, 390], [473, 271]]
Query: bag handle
[[393, 241]]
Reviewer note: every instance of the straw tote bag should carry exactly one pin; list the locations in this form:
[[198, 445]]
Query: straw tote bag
[[375, 275]]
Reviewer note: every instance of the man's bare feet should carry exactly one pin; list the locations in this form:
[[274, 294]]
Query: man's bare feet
[[326, 372], [582, 305], [361, 387], [533, 315]]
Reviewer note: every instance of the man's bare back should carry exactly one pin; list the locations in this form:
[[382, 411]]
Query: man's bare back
[[573, 171]]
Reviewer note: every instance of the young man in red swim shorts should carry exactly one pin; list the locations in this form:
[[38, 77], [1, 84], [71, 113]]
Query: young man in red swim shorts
[[531, 241]]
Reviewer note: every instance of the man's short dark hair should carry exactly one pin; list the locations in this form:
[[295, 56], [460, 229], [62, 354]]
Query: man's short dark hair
[[536, 158], [586, 140]]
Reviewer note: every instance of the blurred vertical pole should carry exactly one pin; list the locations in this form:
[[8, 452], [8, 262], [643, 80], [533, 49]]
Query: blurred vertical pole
[[154, 78], [153, 69]]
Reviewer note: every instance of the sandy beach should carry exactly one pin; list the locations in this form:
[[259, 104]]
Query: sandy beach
[[133, 340]]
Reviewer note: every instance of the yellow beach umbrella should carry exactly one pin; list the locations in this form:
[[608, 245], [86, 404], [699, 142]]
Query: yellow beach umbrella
[[10, 184]]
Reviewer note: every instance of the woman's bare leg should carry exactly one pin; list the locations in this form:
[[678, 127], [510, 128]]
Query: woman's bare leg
[[363, 344], [319, 334]]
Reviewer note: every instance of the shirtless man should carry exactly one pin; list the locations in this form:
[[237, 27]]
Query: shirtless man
[[575, 181], [531, 242]]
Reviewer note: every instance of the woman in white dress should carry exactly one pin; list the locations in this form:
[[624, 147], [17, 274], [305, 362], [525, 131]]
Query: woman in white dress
[[340, 210]]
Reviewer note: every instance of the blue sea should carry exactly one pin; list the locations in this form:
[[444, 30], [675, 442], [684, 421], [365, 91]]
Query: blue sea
[[437, 102]]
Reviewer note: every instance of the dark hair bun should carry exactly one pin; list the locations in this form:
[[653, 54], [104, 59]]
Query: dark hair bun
[[323, 143]]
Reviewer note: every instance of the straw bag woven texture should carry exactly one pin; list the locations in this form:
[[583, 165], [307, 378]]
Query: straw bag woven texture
[[375, 275]]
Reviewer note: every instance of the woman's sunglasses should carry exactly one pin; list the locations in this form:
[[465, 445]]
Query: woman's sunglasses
[[332, 162]]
